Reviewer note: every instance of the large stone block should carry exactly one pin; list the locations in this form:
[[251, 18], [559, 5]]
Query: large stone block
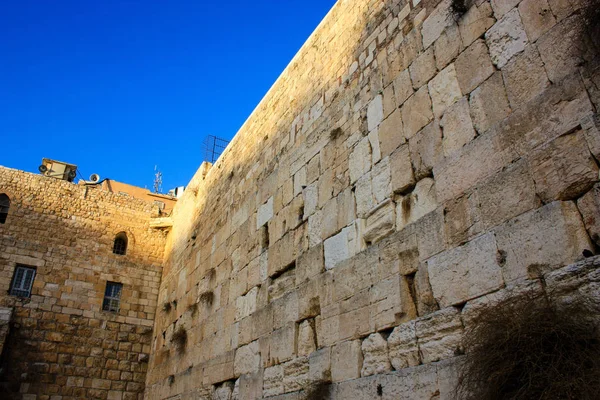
[[426, 150], [561, 48], [525, 77], [457, 127], [375, 112], [283, 344], [295, 374], [391, 302], [506, 38], [247, 359], [402, 87], [439, 335], [415, 205], [375, 355], [563, 169], [448, 46], [537, 18], [475, 22], [273, 381], [346, 361], [465, 272], [320, 365], [416, 112], [265, 213], [444, 90], [381, 181], [380, 222], [501, 7], [251, 386], [423, 68], [391, 135], [360, 160], [306, 338], [473, 66], [507, 194], [489, 103], [437, 21], [310, 264], [403, 177], [589, 207], [403, 348], [336, 249], [528, 243]]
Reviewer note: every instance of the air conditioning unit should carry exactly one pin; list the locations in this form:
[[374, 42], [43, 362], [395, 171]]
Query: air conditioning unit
[[58, 169]]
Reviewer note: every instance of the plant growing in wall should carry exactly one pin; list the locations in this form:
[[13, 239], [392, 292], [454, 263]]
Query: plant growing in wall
[[532, 347], [166, 306], [207, 298], [179, 338]]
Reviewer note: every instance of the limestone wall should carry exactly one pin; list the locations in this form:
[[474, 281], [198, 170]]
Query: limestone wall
[[408, 163], [60, 342]]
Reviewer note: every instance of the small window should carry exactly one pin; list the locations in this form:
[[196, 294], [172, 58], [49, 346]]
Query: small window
[[4, 206], [112, 297], [22, 281], [120, 245]]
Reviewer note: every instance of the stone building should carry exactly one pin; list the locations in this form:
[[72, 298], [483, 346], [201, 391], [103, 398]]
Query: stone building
[[80, 270], [415, 161]]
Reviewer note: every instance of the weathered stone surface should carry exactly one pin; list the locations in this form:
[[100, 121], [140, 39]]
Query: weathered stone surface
[[416, 112], [311, 199], [528, 243], [381, 183], [402, 87], [457, 127], [390, 133], [375, 355], [273, 381], [563, 169], [448, 46], [363, 192], [589, 207], [306, 338], [403, 349], [403, 177], [391, 302], [444, 90], [582, 278], [380, 222], [360, 160], [501, 7], [475, 22], [223, 392], [439, 335], [250, 386], [320, 365], [537, 18], [420, 202], [465, 272], [346, 360], [265, 213], [495, 206], [473, 66], [310, 264], [437, 21], [375, 112], [462, 219], [426, 150], [525, 77], [336, 249], [423, 68], [561, 49], [591, 130], [489, 103], [506, 38], [283, 344], [295, 374]]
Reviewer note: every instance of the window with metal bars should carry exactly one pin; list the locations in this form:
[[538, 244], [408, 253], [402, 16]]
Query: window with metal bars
[[22, 281], [112, 297], [4, 206], [120, 244]]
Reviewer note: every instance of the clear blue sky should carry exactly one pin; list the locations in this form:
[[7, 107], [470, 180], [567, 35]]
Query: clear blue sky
[[117, 87]]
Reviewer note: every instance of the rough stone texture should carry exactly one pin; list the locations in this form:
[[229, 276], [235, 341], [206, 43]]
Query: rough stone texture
[[465, 272], [439, 335], [506, 38], [295, 374], [589, 207], [415, 205], [390, 133], [437, 21], [375, 355], [457, 127], [247, 359], [489, 103], [426, 150], [320, 365], [403, 177], [561, 49], [423, 69], [473, 66], [475, 22], [563, 169], [403, 349], [525, 77], [336, 249], [346, 361], [273, 381], [528, 242], [537, 18], [447, 47], [444, 90], [416, 112], [306, 339], [380, 223], [375, 112]]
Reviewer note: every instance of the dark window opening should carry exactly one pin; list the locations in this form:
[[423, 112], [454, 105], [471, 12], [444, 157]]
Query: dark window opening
[[112, 297], [22, 281], [120, 245], [4, 206]]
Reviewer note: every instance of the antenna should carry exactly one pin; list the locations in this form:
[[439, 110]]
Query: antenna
[[157, 180]]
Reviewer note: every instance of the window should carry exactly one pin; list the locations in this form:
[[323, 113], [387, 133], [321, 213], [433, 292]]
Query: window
[[4, 206], [22, 281], [112, 297], [120, 245]]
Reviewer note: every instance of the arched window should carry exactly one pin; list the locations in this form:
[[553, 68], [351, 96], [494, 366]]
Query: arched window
[[120, 245], [4, 206]]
